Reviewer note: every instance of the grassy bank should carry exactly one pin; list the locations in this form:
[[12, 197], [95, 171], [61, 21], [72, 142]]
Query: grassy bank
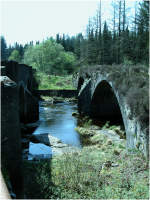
[[100, 170], [46, 82]]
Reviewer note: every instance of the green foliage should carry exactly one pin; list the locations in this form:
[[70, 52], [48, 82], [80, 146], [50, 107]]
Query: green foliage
[[15, 56], [3, 48], [80, 176], [38, 182], [107, 125], [44, 81], [49, 57], [87, 122]]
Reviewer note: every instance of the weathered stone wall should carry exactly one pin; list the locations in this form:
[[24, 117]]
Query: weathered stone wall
[[94, 101], [22, 75], [57, 93], [32, 107], [11, 149], [25, 75], [3, 71], [18, 73]]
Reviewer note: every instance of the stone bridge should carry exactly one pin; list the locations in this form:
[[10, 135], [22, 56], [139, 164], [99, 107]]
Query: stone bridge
[[22, 75], [97, 97], [17, 105]]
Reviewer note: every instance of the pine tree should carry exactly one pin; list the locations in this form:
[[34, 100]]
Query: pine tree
[[143, 32], [107, 42], [57, 38], [3, 48]]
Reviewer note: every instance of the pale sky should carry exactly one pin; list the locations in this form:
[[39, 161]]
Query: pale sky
[[25, 21]]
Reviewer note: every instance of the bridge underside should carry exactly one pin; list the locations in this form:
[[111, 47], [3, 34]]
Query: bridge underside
[[104, 103]]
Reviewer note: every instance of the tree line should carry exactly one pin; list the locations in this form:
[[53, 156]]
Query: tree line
[[125, 41], [120, 42]]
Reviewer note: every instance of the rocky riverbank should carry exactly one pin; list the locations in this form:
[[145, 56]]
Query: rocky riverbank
[[57, 146]]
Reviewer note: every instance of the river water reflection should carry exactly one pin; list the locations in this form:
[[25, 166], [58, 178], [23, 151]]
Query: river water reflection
[[57, 120]]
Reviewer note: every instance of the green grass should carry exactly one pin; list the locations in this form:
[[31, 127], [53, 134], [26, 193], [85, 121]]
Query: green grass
[[79, 175], [46, 82]]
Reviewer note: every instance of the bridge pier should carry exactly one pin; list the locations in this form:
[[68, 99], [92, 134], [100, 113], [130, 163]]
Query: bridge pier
[[17, 104], [11, 150], [84, 98]]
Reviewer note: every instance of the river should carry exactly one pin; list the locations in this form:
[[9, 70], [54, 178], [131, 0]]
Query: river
[[58, 121]]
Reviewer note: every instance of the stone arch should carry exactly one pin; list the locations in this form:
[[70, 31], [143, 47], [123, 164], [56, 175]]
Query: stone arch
[[22, 103], [104, 103], [80, 83]]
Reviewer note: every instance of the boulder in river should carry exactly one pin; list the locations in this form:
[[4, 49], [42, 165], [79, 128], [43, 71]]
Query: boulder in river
[[45, 138], [56, 144]]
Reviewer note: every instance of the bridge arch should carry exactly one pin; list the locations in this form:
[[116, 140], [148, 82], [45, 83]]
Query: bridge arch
[[99, 97], [104, 103]]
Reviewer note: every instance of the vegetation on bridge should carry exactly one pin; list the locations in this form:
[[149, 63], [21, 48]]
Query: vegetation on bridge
[[131, 81]]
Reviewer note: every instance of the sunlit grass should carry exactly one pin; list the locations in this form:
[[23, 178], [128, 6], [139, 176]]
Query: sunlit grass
[[80, 175], [47, 82]]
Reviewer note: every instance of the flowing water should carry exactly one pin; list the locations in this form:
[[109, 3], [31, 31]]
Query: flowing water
[[58, 121]]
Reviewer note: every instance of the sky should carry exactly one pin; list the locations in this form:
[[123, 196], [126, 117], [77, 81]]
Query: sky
[[25, 21]]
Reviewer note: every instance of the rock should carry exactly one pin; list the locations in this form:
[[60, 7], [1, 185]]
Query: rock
[[58, 101], [72, 100], [39, 157], [45, 138], [74, 114], [25, 151], [116, 152], [108, 142], [114, 165], [57, 146], [107, 164], [94, 127], [23, 129], [25, 143], [29, 128], [32, 125], [25, 156]]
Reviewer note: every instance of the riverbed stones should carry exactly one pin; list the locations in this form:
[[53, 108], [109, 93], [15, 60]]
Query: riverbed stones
[[45, 138], [29, 128], [56, 144]]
